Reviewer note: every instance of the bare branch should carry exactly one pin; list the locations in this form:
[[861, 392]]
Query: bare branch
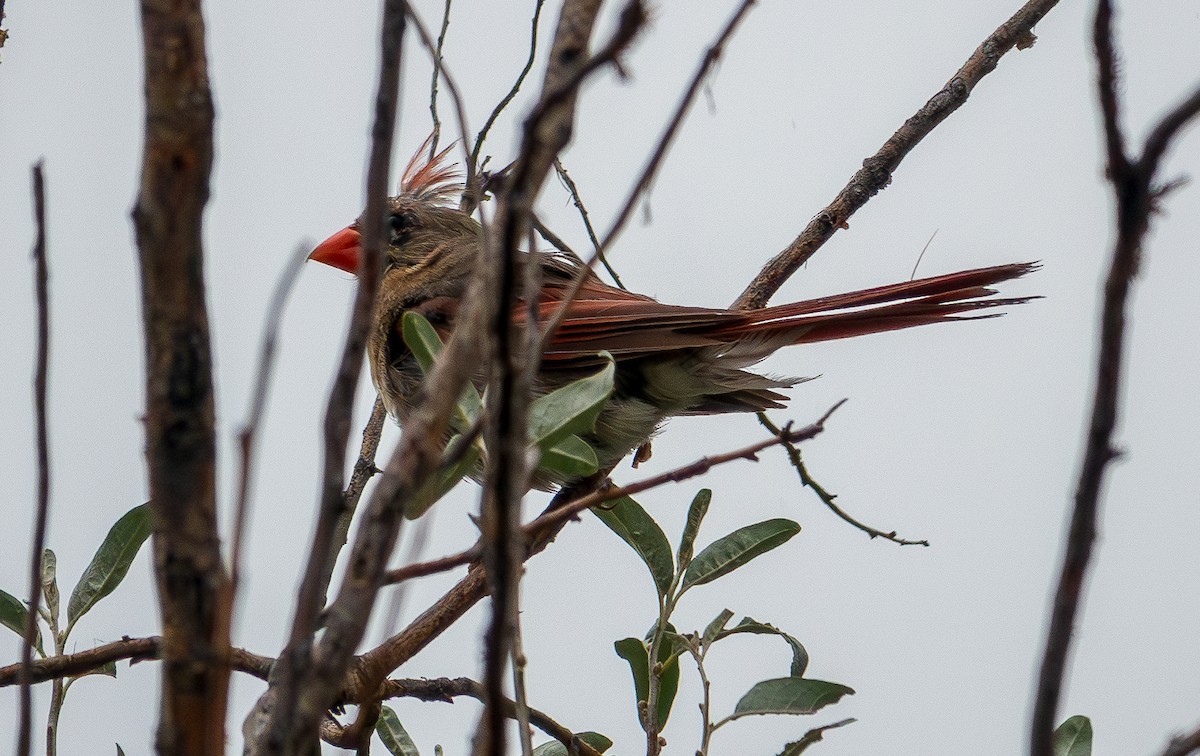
[[41, 279], [290, 728], [433, 83], [561, 514], [546, 132], [711, 56], [179, 418], [134, 649], [573, 190], [471, 195], [1136, 195], [827, 498], [1184, 745], [877, 170]]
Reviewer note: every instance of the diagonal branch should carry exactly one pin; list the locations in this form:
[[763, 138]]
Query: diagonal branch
[[877, 170], [281, 732]]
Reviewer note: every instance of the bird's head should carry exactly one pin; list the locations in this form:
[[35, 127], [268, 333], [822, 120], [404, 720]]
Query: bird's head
[[424, 232]]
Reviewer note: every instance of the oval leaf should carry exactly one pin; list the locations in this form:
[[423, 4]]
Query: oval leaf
[[440, 483], [634, 652], [571, 457], [395, 738], [425, 344], [1074, 737], [790, 695], [748, 625], [716, 626], [50, 584], [12, 616], [571, 409], [736, 549], [797, 747], [111, 562], [696, 513], [626, 518], [555, 748]]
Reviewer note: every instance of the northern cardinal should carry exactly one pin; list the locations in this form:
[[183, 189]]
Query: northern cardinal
[[670, 360]]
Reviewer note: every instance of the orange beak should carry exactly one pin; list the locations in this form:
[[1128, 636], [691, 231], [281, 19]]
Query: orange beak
[[340, 250]]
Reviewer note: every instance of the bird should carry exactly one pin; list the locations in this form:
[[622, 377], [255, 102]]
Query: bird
[[670, 360]]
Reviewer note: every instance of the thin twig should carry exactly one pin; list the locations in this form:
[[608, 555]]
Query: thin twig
[[554, 239], [569, 183], [286, 722], [520, 699], [364, 470], [711, 56], [41, 278], [699, 467], [1136, 196], [460, 110], [258, 403], [877, 170], [827, 498], [471, 196], [134, 649], [433, 84], [1184, 745], [444, 689], [545, 133]]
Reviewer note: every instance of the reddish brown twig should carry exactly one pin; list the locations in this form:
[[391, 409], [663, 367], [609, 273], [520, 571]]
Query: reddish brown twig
[[877, 170]]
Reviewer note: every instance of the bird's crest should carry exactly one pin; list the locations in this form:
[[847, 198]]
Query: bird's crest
[[429, 179]]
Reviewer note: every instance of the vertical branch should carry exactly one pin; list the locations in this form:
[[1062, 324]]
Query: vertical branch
[[41, 278], [179, 418], [288, 734], [1137, 196], [546, 131]]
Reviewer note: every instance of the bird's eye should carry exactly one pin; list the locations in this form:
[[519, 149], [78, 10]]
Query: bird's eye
[[399, 223]]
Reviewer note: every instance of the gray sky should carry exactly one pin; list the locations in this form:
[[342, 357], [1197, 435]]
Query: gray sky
[[966, 435]]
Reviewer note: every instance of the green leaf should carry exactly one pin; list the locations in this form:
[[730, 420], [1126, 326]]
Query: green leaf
[[790, 695], [571, 409], [423, 341], [50, 583], [108, 669], [572, 457], [696, 512], [1074, 737], [633, 650], [395, 738], [748, 625], [716, 626], [797, 747], [627, 519], [12, 616], [555, 748], [446, 478], [736, 549], [637, 653], [110, 563]]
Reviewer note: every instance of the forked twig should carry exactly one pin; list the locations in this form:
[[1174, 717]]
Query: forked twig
[[1137, 196], [827, 498]]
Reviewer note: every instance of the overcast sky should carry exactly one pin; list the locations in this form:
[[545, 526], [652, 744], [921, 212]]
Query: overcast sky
[[966, 435]]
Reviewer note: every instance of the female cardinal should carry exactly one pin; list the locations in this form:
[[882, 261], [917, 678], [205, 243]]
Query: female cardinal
[[670, 360]]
